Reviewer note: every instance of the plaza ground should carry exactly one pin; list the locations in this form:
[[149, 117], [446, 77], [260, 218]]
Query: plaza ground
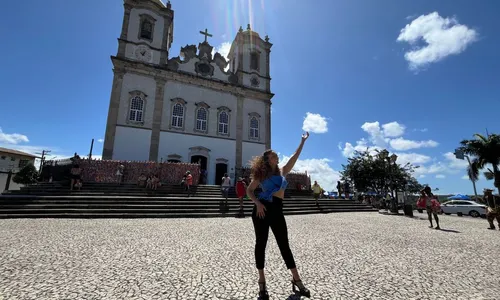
[[340, 256]]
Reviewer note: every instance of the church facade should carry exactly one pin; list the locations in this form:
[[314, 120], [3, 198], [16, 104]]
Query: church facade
[[197, 107]]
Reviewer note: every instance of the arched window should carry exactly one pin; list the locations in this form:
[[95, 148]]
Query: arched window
[[254, 128], [223, 122], [146, 27], [147, 30], [201, 119], [177, 115], [136, 109]]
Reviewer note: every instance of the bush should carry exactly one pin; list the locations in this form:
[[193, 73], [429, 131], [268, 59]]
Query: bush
[[27, 175]]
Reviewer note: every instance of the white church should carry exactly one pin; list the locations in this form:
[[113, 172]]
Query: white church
[[196, 107]]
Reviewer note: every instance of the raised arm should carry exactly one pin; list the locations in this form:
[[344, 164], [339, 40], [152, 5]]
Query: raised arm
[[291, 162]]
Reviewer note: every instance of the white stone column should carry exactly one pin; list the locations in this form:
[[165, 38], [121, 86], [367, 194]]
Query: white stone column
[[114, 106]]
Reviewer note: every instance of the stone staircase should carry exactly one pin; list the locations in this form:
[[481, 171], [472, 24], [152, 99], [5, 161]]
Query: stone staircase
[[104, 200]]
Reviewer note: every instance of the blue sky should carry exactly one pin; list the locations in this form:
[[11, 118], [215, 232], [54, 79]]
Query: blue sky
[[347, 63]]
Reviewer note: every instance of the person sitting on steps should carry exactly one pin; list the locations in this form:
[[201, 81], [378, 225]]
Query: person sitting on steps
[[268, 213]]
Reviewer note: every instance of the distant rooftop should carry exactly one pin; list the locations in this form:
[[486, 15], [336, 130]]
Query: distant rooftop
[[11, 151]]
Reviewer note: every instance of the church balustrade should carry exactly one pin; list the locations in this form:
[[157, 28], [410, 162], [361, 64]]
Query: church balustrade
[[105, 171]]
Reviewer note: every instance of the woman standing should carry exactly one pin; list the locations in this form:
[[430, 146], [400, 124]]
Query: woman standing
[[268, 213], [430, 204], [240, 192]]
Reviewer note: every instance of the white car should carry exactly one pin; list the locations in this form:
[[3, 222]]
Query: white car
[[464, 207]]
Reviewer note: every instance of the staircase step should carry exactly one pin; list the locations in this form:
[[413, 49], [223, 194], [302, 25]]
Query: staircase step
[[74, 215]]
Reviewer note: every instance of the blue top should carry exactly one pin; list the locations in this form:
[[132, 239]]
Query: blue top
[[271, 185]]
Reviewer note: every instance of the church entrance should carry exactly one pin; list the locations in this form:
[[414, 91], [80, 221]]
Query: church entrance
[[202, 160], [220, 170]]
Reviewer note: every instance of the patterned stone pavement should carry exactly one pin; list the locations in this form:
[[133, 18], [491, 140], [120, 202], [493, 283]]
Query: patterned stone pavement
[[340, 256]]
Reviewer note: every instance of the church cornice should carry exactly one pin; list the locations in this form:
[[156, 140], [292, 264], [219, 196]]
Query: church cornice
[[153, 5], [156, 71]]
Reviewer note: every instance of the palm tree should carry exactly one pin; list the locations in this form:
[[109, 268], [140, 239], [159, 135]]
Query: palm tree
[[484, 151]]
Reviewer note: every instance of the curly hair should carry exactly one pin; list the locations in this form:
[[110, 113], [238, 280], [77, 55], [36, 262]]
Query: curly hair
[[260, 167]]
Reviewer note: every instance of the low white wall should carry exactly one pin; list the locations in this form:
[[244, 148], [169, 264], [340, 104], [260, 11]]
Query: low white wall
[[3, 181]]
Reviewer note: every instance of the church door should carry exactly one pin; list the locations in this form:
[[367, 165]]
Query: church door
[[220, 170], [202, 160]]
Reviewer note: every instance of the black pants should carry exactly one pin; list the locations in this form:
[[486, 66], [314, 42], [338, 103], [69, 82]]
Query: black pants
[[275, 220]]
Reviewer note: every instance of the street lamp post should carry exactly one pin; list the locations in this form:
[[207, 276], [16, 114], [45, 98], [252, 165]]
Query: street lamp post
[[391, 161], [459, 154]]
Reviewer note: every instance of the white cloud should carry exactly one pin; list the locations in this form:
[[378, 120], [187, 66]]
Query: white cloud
[[443, 37], [454, 162], [402, 144], [100, 140], [440, 176], [413, 158], [393, 129], [315, 123], [375, 132], [465, 177], [318, 169], [361, 145], [223, 49], [12, 138]]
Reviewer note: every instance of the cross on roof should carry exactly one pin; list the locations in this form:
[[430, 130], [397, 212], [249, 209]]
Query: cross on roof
[[206, 34]]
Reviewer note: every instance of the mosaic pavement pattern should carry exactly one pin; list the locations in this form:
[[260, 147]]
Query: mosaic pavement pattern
[[340, 256]]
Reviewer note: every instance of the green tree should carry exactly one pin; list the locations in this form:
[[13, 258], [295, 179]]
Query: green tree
[[26, 175], [372, 173], [484, 151]]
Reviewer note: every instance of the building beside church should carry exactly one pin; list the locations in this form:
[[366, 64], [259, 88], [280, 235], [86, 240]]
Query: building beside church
[[197, 107]]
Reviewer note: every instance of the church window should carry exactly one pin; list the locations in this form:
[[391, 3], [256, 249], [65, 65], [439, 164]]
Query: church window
[[201, 119], [146, 29], [254, 61], [178, 115], [254, 128], [223, 123], [136, 109]]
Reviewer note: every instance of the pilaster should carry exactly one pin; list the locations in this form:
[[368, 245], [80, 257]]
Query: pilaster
[[268, 125], [268, 80], [166, 41], [114, 105], [125, 25], [239, 136], [157, 114]]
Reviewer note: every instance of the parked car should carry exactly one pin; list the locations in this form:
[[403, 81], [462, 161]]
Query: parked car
[[463, 207]]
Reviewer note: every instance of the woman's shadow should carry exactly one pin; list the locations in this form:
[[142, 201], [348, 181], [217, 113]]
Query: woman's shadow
[[293, 296]]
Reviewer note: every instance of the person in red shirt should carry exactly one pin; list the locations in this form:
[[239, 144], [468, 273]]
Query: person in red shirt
[[189, 182], [241, 192]]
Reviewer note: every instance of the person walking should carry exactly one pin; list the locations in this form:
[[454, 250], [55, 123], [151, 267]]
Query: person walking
[[240, 193], [189, 182], [225, 185], [316, 191], [339, 189], [428, 202], [268, 213], [493, 209]]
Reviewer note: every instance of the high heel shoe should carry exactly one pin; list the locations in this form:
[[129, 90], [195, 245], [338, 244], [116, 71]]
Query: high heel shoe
[[303, 291], [263, 295]]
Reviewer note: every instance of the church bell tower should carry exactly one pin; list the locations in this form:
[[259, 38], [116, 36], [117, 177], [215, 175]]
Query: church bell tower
[[147, 31], [249, 59]]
